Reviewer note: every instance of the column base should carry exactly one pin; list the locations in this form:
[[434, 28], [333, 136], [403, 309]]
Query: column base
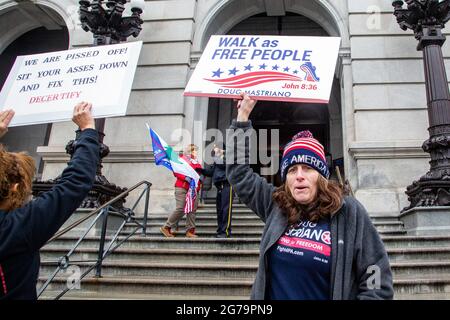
[[421, 221]]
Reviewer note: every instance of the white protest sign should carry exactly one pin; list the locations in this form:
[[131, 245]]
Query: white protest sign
[[280, 68], [44, 88]]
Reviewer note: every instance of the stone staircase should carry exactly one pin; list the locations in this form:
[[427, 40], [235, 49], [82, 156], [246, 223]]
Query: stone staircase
[[154, 267]]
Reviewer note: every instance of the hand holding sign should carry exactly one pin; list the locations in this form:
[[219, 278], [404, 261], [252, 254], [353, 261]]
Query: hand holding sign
[[245, 107], [82, 116], [5, 118]]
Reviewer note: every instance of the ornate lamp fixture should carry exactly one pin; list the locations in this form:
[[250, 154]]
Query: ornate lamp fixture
[[107, 23], [427, 18]]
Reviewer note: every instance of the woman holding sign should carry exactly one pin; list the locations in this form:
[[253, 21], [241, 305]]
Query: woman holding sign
[[317, 244], [25, 226]]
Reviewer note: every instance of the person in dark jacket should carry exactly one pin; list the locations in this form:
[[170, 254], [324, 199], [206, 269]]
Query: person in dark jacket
[[316, 244], [224, 197], [25, 226]]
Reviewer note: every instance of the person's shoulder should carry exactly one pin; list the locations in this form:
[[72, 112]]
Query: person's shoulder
[[352, 205], [350, 201]]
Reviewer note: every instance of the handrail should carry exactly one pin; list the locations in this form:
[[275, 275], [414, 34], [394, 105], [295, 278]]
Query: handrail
[[102, 212], [96, 211]]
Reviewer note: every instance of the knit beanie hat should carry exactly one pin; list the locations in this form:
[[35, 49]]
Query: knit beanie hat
[[304, 149]]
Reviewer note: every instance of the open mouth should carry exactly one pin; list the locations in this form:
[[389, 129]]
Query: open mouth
[[300, 188]]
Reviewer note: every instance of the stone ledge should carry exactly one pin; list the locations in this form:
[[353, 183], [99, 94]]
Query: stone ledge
[[387, 149], [56, 154]]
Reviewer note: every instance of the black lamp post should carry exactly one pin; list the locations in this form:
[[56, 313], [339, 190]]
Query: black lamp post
[[427, 18], [104, 19]]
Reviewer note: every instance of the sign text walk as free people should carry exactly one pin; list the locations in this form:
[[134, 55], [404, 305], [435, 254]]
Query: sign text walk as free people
[[280, 68]]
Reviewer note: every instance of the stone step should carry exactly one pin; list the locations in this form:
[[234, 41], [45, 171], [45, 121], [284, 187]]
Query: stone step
[[161, 218], [421, 254], [403, 286], [142, 242], [404, 242], [422, 284], [87, 295], [213, 205], [239, 213], [394, 242], [171, 286], [207, 255], [236, 210], [154, 255], [226, 270], [165, 270], [239, 233], [205, 226], [423, 296], [420, 268], [209, 233], [249, 215]]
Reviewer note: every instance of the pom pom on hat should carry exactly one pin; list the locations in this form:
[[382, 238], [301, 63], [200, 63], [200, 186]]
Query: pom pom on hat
[[303, 134]]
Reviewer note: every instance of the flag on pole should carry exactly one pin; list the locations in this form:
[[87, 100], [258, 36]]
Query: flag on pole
[[166, 156]]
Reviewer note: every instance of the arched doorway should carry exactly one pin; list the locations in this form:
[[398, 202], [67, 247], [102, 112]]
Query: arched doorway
[[323, 120], [46, 32]]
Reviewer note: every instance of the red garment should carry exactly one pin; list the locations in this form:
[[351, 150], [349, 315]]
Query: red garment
[[180, 182]]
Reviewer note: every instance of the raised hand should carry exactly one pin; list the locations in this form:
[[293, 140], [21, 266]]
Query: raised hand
[[5, 118], [245, 107], [82, 116]]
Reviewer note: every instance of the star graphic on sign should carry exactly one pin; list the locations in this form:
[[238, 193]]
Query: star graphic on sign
[[295, 71], [233, 71], [217, 73], [275, 67], [263, 66], [286, 69], [249, 67]]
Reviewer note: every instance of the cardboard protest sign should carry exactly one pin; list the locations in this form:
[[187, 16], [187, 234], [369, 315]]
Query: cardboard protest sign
[[44, 88], [297, 69]]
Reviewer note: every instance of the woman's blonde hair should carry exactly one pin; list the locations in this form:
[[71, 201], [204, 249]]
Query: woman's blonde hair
[[327, 202], [191, 147], [15, 168]]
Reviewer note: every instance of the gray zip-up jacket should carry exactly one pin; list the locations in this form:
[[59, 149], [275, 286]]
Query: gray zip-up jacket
[[359, 263]]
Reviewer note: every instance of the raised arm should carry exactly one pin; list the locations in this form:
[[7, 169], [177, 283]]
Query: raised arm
[[41, 218], [251, 188]]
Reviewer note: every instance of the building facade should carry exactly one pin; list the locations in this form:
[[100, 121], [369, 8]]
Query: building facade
[[373, 127]]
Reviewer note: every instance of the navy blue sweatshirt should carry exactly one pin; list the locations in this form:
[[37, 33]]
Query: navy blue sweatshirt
[[25, 230], [217, 171]]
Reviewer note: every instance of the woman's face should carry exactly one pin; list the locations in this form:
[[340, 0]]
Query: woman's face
[[194, 153], [301, 181]]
